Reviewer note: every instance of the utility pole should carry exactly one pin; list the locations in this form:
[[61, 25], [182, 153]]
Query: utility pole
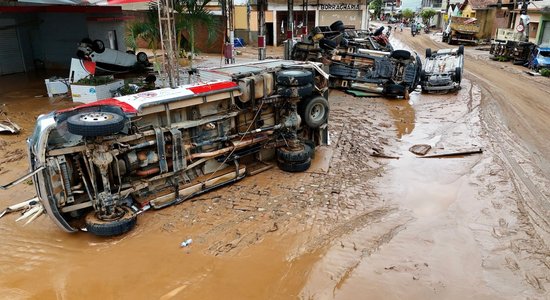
[[290, 20], [262, 6], [168, 41], [367, 3]]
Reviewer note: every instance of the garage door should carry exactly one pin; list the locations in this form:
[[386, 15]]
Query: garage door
[[10, 52]]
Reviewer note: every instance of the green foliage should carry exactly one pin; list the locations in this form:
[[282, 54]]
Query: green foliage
[[193, 14], [95, 80], [408, 13], [426, 14], [502, 58], [545, 72], [376, 5], [147, 29]]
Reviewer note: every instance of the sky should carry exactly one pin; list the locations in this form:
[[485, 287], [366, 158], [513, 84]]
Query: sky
[[412, 4]]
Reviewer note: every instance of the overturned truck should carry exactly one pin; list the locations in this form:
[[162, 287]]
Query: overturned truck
[[361, 62], [97, 166]]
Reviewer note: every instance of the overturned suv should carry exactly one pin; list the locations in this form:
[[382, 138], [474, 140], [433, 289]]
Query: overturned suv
[[98, 166], [442, 70]]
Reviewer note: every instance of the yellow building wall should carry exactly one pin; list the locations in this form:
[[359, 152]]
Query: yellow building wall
[[468, 12], [241, 15]]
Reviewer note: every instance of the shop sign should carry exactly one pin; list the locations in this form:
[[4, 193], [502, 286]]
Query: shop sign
[[339, 6]]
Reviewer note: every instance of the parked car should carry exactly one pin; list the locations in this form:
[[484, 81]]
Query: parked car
[[540, 58], [109, 60], [442, 70], [98, 166]]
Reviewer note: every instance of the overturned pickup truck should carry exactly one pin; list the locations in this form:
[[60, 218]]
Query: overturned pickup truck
[[442, 70], [98, 166], [393, 74], [359, 64], [324, 39]]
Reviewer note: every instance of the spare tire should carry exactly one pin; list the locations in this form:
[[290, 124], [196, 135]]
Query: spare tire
[[400, 54], [295, 91], [91, 124], [428, 52], [294, 77]]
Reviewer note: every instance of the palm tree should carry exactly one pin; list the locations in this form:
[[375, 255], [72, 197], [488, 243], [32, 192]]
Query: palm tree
[[192, 14]]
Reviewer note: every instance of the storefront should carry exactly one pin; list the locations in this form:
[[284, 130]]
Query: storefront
[[318, 14]]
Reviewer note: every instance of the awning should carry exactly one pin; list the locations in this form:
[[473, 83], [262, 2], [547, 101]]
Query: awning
[[83, 2]]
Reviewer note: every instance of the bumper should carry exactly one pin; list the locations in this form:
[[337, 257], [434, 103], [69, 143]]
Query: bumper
[[445, 87], [36, 145]]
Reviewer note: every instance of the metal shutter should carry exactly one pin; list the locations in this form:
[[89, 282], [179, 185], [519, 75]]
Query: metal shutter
[[10, 52]]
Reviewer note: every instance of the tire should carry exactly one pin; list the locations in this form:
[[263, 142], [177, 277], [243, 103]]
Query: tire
[[337, 26], [378, 31], [423, 75], [294, 166], [295, 91], [289, 155], [460, 50], [95, 123], [294, 77], [428, 52], [142, 57], [395, 90], [400, 54], [327, 44], [316, 112], [98, 46], [122, 225], [458, 74]]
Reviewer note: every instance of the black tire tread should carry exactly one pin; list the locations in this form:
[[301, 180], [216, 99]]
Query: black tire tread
[[294, 167], [288, 155], [295, 91]]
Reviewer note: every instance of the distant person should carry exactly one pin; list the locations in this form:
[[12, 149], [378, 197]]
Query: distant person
[[401, 26]]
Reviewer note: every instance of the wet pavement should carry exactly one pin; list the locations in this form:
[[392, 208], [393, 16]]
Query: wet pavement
[[398, 226]]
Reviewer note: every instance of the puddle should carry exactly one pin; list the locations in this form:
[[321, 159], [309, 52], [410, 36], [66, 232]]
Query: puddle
[[403, 114]]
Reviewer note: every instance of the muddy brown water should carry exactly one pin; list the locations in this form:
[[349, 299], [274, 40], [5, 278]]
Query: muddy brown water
[[353, 227]]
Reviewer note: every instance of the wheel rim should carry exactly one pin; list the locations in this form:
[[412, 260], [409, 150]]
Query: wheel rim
[[317, 112], [96, 117]]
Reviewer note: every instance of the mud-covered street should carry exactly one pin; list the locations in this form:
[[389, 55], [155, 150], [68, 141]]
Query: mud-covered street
[[369, 220]]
